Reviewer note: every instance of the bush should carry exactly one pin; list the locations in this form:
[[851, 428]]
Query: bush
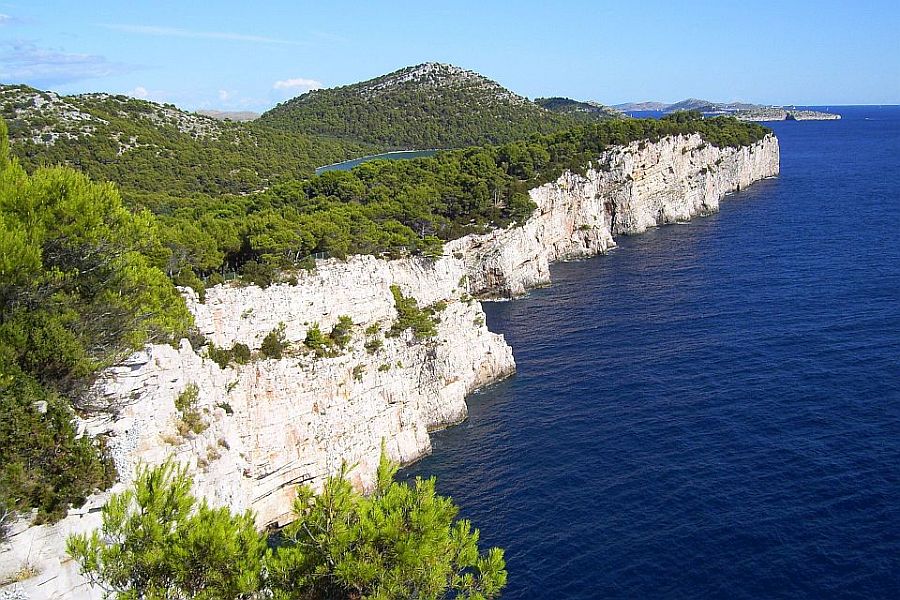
[[220, 356], [410, 316], [240, 353], [261, 274], [341, 332], [186, 404], [157, 541], [44, 464], [275, 343], [316, 341], [402, 541], [187, 278]]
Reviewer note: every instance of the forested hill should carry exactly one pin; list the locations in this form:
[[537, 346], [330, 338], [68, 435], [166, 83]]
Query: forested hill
[[430, 105], [149, 147], [583, 111]]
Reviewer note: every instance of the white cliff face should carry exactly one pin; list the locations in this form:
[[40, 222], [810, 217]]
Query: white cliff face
[[625, 191], [273, 424]]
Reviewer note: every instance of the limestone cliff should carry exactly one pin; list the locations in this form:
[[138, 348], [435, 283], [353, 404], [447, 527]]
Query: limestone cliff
[[271, 424], [625, 191]]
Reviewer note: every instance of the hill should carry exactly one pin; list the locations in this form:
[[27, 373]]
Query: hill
[[150, 147], [590, 111], [431, 105]]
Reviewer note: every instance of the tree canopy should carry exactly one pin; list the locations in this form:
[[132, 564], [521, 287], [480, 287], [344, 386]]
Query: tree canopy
[[80, 287], [401, 541]]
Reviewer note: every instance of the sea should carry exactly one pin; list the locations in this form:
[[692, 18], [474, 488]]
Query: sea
[[712, 409]]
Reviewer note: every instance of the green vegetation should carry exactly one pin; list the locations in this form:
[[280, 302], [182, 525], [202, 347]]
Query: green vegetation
[[84, 279], [238, 353], [394, 208], [410, 316], [402, 541], [80, 287], [332, 344], [149, 147], [421, 107], [275, 343], [582, 111], [157, 541], [191, 418]]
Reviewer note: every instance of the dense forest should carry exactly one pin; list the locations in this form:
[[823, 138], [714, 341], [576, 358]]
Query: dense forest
[[421, 107]]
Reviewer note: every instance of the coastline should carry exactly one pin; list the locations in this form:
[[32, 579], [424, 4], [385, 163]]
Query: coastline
[[295, 420]]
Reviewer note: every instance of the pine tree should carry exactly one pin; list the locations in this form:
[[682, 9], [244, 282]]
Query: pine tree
[[402, 541], [157, 542]]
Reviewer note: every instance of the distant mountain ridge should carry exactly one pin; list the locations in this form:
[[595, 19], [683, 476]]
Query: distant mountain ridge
[[230, 115], [741, 110], [431, 105]]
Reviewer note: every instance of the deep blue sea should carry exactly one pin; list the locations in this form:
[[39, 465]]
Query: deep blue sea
[[711, 410]]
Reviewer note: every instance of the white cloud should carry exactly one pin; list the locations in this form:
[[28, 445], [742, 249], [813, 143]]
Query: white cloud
[[139, 92], [297, 82], [224, 95], [24, 62], [4, 19], [192, 34]]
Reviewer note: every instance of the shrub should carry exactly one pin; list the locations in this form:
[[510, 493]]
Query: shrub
[[240, 353], [44, 464], [341, 332], [410, 316], [261, 274], [157, 541], [275, 343], [186, 404], [402, 541], [220, 356], [316, 341]]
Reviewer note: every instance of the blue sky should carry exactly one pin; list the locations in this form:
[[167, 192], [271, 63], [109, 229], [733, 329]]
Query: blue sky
[[251, 55]]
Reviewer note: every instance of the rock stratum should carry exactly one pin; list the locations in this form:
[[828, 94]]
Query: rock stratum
[[273, 424]]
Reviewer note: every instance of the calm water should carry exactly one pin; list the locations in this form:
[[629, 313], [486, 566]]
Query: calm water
[[712, 410], [399, 155]]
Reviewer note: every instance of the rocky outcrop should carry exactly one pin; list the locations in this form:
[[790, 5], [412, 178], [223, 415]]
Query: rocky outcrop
[[625, 191], [272, 424]]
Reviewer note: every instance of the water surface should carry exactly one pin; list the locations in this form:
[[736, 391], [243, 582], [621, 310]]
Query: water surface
[[712, 410], [398, 155]]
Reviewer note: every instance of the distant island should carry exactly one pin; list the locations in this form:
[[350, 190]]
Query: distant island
[[229, 115], [740, 110]]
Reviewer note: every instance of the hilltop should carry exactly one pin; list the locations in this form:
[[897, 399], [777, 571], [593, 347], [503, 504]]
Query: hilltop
[[150, 147], [585, 111], [431, 105]]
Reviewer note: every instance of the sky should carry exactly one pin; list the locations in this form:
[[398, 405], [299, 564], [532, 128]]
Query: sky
[[243, 55]]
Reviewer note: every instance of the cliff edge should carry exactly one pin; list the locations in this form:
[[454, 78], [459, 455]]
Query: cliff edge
[[269, 425]]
